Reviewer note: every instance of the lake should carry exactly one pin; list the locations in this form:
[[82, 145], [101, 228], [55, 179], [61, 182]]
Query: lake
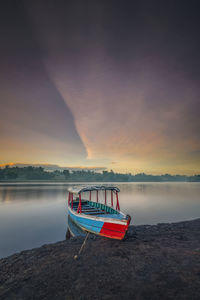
[[35, 214]]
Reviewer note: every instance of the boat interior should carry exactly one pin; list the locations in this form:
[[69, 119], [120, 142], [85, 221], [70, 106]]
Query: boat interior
[[96, 208]]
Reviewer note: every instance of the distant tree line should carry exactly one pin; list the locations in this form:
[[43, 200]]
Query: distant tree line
[[38, 173]]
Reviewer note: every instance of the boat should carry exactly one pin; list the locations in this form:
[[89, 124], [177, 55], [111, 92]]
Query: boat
[[73, 230], [93, 216]]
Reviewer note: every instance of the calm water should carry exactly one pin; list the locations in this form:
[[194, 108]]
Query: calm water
[[32, 215]]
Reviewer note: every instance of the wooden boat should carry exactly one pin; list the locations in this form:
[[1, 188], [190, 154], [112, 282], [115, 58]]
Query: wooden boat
[[99, 218], [74, 230]]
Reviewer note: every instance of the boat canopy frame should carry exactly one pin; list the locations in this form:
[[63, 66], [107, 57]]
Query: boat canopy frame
[[78, 190]]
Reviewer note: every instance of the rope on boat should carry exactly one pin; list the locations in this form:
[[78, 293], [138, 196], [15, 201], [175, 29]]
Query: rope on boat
[[82, 246]]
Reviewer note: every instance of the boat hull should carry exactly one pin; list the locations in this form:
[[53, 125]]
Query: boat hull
[[107, 227]]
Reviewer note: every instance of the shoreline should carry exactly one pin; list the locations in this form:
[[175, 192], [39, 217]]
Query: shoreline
[[154, 262]]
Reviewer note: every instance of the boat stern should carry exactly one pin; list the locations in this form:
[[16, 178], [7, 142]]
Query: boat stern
[[115, 230]]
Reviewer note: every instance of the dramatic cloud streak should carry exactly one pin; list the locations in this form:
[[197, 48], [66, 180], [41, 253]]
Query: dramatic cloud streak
[[138, 106]]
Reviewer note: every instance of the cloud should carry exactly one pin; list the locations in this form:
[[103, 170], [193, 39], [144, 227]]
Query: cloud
[[114, 121], [130, 91]]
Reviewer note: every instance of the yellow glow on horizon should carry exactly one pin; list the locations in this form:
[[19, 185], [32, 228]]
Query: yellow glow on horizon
[[7, 164], [124, 167]]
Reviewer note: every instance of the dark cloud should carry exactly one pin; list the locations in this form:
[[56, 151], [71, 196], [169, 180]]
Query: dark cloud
[[30, 102]]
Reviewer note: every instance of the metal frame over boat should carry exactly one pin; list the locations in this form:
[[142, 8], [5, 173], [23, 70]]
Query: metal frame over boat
[[99, 218]]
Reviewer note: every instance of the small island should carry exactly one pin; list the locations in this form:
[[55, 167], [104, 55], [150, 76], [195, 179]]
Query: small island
[[153, 262]]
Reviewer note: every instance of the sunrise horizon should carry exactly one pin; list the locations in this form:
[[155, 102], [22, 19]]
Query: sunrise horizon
[[54, 166]]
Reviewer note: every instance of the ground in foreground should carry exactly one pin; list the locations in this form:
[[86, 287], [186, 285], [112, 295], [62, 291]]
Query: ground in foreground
[[154, 262]]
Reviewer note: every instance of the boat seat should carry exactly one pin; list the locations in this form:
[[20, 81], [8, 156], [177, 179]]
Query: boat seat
[[85, 206], [90, 210], [93, 213], [87, 209]]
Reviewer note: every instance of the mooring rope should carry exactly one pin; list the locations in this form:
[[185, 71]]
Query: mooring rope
[[82, 246]]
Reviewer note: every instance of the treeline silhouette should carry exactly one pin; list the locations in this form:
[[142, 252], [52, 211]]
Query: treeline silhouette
[[38, 173]]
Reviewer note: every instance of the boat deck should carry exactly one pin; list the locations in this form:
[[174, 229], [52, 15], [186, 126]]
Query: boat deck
[[89, 209]]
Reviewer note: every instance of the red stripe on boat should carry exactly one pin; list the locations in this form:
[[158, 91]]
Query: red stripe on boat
[[113, 230], [114, 226]]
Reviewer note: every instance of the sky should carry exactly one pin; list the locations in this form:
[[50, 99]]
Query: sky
[[101, 84]]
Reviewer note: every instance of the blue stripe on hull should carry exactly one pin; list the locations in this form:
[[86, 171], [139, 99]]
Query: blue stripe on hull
[[88, 224]]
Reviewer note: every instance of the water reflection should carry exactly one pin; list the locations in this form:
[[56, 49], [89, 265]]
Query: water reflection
[[29, 193], [152, 203], [31, 216]]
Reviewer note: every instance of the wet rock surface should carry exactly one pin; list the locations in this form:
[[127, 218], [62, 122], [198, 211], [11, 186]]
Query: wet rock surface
[[154, 262]]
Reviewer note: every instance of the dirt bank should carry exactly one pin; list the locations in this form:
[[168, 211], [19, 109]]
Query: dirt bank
[[154, 262]]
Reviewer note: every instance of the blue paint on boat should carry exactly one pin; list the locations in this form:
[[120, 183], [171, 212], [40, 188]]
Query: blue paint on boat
[[74, 229], [94, 225]]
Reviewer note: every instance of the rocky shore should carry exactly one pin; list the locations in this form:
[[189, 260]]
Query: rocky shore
[[154, 262]]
